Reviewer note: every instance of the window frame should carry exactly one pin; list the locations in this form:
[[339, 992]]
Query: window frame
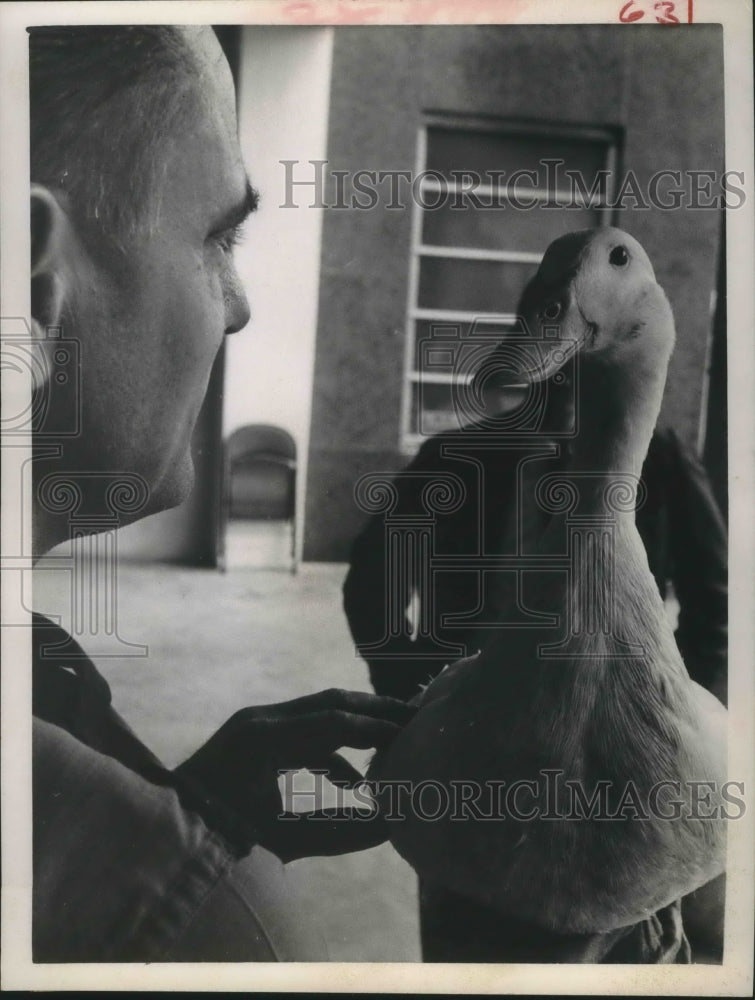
[[410, 442]]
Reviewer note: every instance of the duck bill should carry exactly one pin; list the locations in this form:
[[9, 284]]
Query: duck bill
[[542, 359]]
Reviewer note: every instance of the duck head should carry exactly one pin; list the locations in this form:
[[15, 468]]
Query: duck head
[[595, 294]]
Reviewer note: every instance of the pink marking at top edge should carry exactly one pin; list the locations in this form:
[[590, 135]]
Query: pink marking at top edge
[[402, 11]]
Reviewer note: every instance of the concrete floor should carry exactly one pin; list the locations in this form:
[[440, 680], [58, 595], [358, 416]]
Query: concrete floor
[[218, 641]]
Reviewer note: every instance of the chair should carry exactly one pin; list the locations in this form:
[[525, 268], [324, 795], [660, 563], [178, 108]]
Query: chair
[[260, 476]]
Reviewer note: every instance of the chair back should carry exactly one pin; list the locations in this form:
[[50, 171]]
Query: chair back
[[260, 462]]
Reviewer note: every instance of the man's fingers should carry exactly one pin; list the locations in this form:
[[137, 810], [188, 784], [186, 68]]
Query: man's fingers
[[312, 736], [326, 833], [344, 729], [372, 705], [340, 771], [353, 702]]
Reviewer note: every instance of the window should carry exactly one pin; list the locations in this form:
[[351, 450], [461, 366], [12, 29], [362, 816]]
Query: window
[[489, 198]]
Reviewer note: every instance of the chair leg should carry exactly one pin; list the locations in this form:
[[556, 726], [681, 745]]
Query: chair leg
[[293, 544]]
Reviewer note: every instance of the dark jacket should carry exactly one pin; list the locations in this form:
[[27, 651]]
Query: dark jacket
[[682, 529], [131, 862]]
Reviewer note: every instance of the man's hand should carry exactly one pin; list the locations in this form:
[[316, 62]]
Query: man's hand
[[240, 764]]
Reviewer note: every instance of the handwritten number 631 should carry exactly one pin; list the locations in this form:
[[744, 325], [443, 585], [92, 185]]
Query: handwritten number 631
[[663, 11]]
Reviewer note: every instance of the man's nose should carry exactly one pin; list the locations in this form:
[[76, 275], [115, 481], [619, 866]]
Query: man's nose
[[237, 312]]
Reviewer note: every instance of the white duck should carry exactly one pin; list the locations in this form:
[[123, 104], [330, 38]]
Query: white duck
[[616, 705]]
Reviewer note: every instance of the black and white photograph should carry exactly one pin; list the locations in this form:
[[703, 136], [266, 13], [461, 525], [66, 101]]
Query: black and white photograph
[[377, 443]]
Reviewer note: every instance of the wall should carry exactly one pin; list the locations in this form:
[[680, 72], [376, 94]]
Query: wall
[[284, 82], [663, 88]]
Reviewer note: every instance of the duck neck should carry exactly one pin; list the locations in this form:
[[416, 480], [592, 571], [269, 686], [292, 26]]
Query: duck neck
[[617, 410], [611, 604]]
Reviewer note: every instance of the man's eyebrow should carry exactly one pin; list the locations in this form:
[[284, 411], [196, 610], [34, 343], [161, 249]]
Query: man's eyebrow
[[236, 215]]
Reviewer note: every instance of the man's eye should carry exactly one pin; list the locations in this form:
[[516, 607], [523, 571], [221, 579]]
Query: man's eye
[[229, 238]]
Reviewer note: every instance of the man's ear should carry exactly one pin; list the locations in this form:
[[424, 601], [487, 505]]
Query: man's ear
[[48, 226]]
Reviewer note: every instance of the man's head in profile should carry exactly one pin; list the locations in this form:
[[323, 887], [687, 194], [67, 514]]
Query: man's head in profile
[[138, 190]]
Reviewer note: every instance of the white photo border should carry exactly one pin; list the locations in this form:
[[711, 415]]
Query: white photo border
[[735, 976]]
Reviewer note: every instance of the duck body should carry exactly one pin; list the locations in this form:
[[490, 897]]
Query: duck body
[[583, 767]]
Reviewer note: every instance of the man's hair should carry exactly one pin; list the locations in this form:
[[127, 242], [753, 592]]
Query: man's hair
[[102, 101]]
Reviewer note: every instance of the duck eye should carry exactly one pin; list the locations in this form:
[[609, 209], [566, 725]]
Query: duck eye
[[619, 256], [552, 311]]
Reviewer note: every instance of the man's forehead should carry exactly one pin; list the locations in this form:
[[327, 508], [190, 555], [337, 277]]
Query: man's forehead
[[203, 43], [206, 174], [209, 65], [205, 181]]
